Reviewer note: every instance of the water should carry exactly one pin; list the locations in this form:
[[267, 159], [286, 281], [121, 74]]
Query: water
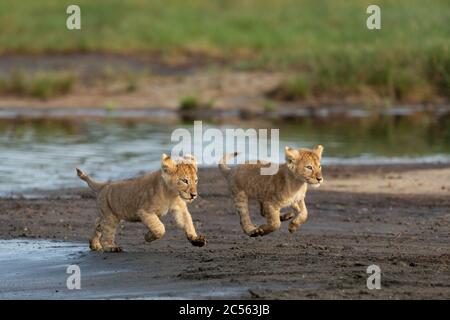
[[41, 154], [29, 265], [37, 269]]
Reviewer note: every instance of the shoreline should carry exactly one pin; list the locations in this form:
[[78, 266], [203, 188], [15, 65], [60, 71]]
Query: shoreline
[[230, 115], [111, 81]]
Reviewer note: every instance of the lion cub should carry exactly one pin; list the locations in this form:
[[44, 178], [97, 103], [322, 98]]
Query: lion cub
[[146, 199], [285, 188]]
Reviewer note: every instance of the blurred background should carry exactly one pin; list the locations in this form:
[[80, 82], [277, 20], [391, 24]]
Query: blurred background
[[108, 96]]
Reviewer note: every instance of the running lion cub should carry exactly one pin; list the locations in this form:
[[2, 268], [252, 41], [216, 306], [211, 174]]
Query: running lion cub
[[285, 188], [146, 199]]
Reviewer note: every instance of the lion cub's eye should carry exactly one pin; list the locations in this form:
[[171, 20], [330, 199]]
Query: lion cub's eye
[[309, 167], [196, 181], [184, 181]]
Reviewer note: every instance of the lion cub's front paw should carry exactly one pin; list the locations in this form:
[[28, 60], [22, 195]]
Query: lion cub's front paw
[[112, 249], [200, 241], [256, 232], [293, 227], [149, 237]]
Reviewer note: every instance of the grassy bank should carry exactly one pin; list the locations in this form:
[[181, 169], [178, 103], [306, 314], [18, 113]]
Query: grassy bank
[[39, 85], [325, 43]]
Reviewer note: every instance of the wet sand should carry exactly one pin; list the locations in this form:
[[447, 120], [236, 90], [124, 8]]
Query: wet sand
[[355, 220]]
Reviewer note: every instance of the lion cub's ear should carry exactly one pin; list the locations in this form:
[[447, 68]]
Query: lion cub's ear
[[167, 164], [192, 160], [318, 150], [291, 154]]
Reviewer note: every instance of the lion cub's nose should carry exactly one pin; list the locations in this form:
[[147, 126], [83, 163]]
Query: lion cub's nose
[[319, 179], [193, 195]]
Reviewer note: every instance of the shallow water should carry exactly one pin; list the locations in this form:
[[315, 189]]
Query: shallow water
[[27, 265], [37, 269], [41, 154]]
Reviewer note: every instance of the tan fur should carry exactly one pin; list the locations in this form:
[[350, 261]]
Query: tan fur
[[146, 199], [286, 188]]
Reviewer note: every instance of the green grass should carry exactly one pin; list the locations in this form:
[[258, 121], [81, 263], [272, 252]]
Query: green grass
[[270, 106], [325, 42], [274, 29], [40, 85], [189, 103], [400, 76]]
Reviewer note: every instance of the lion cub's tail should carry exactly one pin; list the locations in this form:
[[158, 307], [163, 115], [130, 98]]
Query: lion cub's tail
[[96, 186], [223, 163]]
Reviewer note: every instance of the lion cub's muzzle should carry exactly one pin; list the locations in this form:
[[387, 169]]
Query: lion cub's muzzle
[[315, 183], [188, 196], [193, 196]]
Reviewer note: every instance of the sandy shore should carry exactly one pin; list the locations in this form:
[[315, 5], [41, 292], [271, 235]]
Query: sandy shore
[[397, 217], [420, 182]]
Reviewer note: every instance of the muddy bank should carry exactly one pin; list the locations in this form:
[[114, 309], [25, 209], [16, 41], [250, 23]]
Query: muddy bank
[[405, 234], [225, 114], [113, 82]]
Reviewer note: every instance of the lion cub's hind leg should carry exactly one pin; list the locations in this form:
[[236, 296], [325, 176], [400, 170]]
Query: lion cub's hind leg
[[108, 226], [283, 217], [273, 221], [241, 204], [94, 243]]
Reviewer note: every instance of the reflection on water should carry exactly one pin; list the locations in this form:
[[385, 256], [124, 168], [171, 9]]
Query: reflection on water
[[42, 154], [416, 136]]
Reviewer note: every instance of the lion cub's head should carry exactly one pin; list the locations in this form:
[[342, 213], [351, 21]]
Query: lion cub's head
[[181, 176], [305, 164]]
